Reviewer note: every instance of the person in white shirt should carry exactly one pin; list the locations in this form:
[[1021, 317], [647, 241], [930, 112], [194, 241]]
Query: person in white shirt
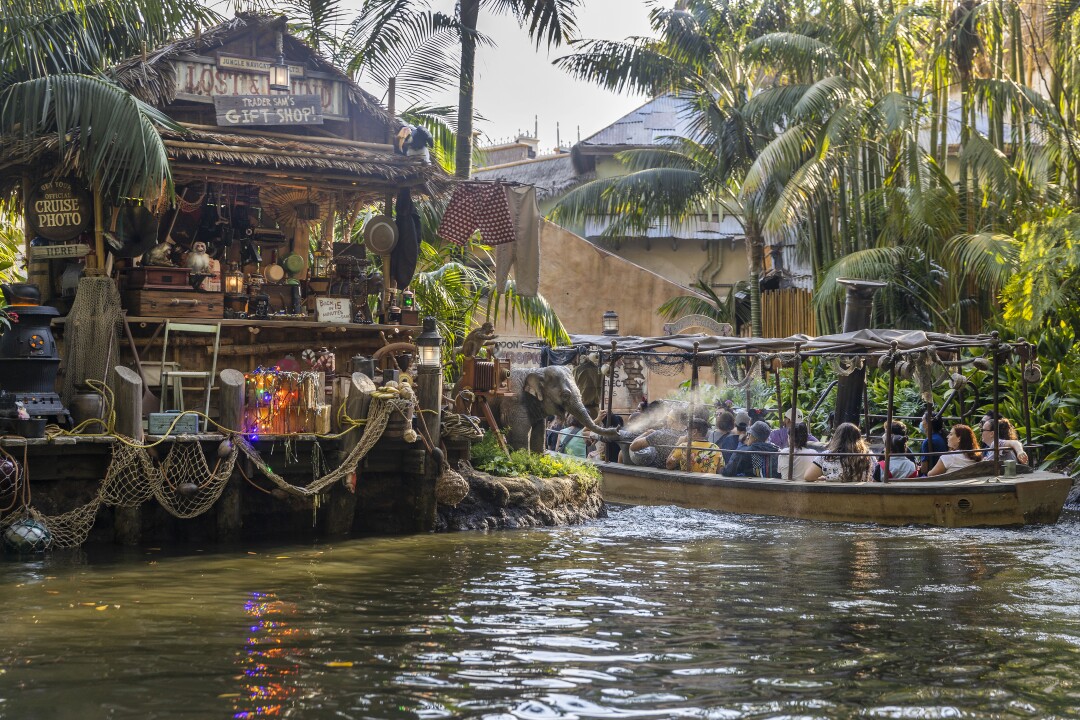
[[961, 437], [804, 455], [1009, 445]]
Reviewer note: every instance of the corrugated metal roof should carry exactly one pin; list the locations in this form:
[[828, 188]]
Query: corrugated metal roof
[[551, 175], [662, 117]]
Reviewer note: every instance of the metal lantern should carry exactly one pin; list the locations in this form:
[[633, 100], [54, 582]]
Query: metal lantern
[[234, 280], [611, 323], [429, 343], [320, 268], [279, 71]]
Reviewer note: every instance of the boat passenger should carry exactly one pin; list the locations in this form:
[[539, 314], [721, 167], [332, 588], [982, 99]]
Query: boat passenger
[[933, 446], [804, 454], [742, 422], [847, 458], [705, 456], [756, 458], [1009, 445], [901, 466], [724, 435], [652, 447], [609, 448], [779, 436], [551, 441], [961, 437], [571, 441]]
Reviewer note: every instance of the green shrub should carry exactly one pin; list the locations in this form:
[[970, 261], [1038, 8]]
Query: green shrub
[[488, 457]]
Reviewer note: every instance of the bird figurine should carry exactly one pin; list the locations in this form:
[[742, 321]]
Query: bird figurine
[[198, 261]]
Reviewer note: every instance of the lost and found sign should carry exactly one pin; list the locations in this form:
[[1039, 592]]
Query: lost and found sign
[[243, 110]]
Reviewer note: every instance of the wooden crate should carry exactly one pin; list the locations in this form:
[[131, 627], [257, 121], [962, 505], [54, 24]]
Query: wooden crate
[[174, 303], [158, 278]]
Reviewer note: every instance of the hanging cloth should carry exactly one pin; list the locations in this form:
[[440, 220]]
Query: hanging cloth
[[478, 206], [558, 356], [524, 254], [407, 250]]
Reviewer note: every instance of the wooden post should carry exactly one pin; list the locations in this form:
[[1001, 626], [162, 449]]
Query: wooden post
[[792, 414], [611, 381], [429, 397], [1025, 358], [342, 506], [231, 400], [99, 228], [127, 521], [228, 510], [128, 407], [887, 475]]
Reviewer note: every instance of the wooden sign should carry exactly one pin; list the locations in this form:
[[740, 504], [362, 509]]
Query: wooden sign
[[242, 110], [254, 65], [200, 79], [59, 209], [333, 310], [55, 252]]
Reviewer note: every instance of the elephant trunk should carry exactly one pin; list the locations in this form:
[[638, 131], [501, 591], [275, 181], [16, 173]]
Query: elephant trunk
[[577, 409]]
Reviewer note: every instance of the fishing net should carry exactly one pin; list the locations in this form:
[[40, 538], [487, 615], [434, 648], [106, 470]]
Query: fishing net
[[91, 334], [185, 484], [734, 373], [668, 365]]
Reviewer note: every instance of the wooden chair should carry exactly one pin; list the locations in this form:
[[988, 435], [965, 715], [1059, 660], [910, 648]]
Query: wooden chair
[[174, 378]]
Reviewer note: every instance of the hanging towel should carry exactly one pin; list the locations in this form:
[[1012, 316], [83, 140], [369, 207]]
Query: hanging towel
[[524, 254], [480, 207], [404, 255]]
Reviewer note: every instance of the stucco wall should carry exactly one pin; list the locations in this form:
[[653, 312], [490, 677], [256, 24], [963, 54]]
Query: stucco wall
[[581, 281]]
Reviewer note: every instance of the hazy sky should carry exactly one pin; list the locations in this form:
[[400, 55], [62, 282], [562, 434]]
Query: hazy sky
[[516, 82]]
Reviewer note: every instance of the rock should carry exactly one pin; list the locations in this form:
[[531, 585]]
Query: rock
[[520, 502]]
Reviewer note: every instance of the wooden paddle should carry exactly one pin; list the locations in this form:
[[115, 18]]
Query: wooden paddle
[[150, 401]]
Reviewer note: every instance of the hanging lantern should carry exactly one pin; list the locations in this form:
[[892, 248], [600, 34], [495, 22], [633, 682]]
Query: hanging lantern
[[611, 323], [320, 267], [279, 71], [429, 343]]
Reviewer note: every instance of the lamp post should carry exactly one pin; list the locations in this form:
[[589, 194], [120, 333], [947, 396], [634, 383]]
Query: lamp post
[[611, 323], [429, 379]]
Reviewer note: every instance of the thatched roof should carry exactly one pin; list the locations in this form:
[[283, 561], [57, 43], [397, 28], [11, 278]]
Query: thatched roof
[[552, 175], [152, 78], [197, 149]]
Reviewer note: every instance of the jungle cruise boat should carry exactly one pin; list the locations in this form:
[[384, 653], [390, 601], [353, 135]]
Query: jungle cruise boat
[[993, 492]]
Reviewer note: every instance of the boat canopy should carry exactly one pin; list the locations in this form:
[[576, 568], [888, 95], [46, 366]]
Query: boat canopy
[[860, 342]]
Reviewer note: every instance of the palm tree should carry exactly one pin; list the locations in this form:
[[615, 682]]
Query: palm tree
[[54, 83], [698, 56], [547, 22]]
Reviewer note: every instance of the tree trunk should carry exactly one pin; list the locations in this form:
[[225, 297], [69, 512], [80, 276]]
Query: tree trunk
[[470, 13], [755, 255]]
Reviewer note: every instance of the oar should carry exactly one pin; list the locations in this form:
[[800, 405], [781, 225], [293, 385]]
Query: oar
[[149, 400]]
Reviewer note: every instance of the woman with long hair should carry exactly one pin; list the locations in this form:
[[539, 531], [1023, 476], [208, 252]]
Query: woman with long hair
[[846, 459], [961, 437]]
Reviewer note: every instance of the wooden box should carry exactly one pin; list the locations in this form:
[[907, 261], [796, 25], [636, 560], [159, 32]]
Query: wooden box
[[148, 277], [174, 304], [161, 423]]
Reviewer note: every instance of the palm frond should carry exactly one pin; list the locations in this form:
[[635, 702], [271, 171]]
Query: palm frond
[[991, 258]]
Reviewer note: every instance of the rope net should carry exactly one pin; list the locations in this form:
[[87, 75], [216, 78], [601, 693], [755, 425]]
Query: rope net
[[91, 334], [184, 483]]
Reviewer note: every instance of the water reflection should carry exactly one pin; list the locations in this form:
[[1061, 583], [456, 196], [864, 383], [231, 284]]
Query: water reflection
[[654, 612]]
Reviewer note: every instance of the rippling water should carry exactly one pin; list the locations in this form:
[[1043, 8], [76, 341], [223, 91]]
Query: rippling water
[[651, 613]]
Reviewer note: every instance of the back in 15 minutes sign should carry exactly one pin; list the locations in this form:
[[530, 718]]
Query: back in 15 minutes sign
[[241, 110]]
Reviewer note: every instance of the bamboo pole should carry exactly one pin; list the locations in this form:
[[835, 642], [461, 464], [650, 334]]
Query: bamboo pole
[[995, 344], [690, 409], [385, 147], [99, 228]]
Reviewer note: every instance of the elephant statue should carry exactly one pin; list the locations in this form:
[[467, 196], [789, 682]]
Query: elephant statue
[[537, 394]]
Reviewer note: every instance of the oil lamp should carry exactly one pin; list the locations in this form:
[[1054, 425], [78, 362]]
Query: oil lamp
[[429, 343], [234, 280], [279, 71], [611, 323]]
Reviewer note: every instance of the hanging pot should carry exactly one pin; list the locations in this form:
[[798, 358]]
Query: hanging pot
[[380, 234]]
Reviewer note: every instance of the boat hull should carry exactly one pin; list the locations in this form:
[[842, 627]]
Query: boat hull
[[1032, 499]]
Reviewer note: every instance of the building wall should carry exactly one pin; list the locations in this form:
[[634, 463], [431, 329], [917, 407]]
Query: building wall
[[581, 281]]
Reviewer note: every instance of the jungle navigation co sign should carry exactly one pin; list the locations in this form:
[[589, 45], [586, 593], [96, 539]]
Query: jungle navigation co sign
[[58, 210], [239, 110]]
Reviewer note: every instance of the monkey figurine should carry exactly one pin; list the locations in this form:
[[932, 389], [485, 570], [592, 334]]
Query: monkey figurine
[[477, 339]]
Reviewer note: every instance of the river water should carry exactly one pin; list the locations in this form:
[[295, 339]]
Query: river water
[[650, 613]]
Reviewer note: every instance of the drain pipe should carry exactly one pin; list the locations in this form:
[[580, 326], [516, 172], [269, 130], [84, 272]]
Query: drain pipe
[[858, 311]]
